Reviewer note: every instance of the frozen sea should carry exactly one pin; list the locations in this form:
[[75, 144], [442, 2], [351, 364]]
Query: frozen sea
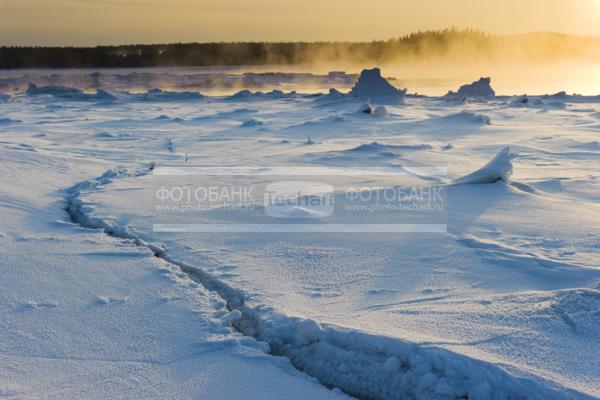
[[502, 301]]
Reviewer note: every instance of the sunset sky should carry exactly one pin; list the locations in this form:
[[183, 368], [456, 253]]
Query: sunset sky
[[91, 22]]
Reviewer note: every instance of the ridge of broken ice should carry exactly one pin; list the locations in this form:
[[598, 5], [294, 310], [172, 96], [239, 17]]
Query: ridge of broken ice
[[68, 93], [246, 94], [159, 94]]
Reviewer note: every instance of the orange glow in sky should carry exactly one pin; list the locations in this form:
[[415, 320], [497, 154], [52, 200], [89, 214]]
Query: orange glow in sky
[[91, 22]]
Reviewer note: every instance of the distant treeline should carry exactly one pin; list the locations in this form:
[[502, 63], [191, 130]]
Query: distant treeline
[[443, 44]]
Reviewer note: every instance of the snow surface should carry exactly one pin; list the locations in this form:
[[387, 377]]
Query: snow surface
[[94, 304]]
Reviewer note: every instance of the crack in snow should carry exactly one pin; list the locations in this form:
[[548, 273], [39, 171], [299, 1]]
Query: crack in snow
[[360, 364]]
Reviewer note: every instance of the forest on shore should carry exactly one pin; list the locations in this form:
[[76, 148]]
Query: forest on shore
[[452, 44]]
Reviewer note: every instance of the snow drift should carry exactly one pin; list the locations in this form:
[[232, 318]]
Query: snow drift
[[500, 168], [468, 117]]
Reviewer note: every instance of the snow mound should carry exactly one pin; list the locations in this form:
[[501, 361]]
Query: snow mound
[[368, 152], [8, 121], [371, 85], [375, 147], [251, 123], [166, 118], [370, 147], [480, 88], [468, 117], [4, 97], [500, 168]]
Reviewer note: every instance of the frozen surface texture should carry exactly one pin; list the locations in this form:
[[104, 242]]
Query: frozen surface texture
[[95, 304]]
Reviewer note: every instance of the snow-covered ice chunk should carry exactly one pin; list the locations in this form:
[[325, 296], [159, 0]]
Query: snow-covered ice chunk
[[371, 85], [365, 108], [334, 93], [500, 168], [251, 123], [380, 111], [480, 88]]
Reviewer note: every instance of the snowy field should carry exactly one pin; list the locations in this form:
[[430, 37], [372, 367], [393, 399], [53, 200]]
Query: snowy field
[[96, 302]]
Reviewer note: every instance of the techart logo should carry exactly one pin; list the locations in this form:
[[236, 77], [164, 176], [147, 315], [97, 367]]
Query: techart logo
[[299, 199]]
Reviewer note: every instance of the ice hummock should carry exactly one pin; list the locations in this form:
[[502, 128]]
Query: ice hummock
[[500, 168], [480, 88], [371, 85]]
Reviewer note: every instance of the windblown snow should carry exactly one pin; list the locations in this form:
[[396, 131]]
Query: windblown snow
[[94, 303]]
